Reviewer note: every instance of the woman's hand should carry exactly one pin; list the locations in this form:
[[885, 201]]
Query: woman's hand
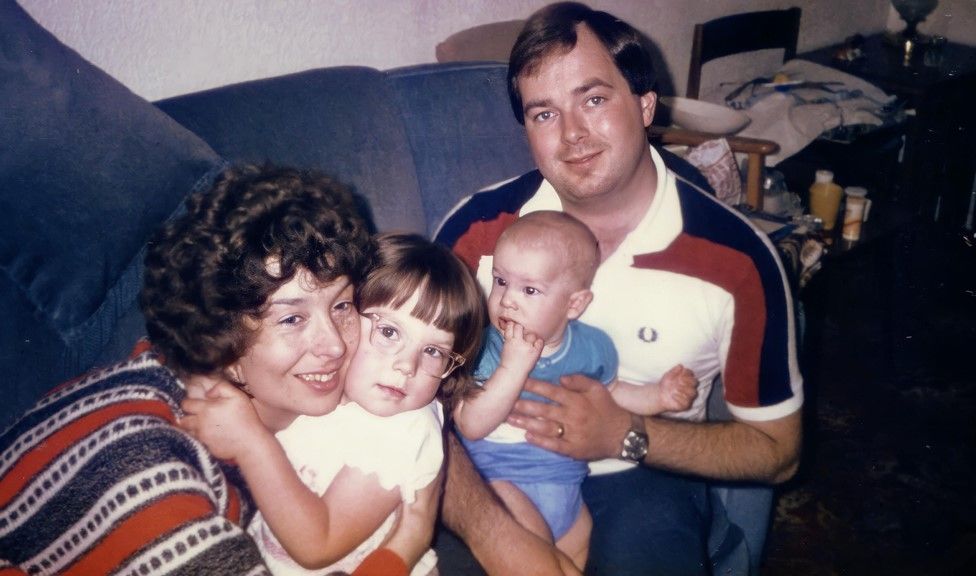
[[223, 419]]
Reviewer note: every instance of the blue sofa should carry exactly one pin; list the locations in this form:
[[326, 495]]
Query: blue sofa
[[88, 171]]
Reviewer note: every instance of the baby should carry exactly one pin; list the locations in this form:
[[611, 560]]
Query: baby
[[542, 269]]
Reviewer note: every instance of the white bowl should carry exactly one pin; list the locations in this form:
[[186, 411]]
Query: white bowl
[[704, 116]]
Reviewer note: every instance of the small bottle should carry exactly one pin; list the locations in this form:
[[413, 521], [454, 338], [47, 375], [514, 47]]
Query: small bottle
[[825, 197]]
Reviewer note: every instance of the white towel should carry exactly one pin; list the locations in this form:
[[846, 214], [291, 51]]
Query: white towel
[[781, 116]]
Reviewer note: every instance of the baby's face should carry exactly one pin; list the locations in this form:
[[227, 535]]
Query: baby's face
[[399, 362], [531, 288]]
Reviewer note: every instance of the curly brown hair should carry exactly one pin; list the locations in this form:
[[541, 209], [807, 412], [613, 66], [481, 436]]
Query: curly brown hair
[[451, 298], [207, 271]]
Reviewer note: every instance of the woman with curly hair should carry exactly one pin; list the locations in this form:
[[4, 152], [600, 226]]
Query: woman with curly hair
[[99, 477]]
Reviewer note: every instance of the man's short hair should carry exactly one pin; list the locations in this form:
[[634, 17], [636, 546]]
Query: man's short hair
[[554, 27]]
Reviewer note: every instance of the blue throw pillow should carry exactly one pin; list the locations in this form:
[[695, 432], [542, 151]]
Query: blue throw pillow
[[88, 170]]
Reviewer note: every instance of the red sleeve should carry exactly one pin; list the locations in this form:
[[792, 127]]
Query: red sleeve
[[382, 562]]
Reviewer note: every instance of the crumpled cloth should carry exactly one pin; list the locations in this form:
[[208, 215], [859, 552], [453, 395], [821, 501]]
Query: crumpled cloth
[[794, 116], [716, 161]]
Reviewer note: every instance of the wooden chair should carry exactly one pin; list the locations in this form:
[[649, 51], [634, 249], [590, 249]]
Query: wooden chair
[[740, 33], [755, 150], [857, 161]]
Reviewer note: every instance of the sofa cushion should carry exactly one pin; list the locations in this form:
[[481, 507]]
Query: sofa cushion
[[88, 171], [461, 129], [342, 121]]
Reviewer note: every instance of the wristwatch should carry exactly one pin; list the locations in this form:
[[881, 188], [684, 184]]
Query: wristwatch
[[635, 442]]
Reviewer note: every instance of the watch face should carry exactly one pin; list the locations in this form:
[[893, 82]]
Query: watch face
[[635, 446]]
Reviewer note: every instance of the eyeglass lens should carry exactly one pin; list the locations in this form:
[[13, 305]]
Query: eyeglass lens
[[434, 360]]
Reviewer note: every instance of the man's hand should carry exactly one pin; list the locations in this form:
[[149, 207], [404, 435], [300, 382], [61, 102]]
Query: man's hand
[[592, 424], [679, 388], [224, 420]]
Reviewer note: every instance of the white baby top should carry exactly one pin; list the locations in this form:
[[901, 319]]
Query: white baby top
[[404, 450]]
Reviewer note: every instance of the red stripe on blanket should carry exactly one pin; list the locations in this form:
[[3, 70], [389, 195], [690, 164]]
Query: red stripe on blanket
[[36, 459], [146, 526]]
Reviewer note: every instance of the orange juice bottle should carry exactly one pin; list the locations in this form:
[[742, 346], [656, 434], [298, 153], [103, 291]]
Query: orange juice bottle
[[825, 197]]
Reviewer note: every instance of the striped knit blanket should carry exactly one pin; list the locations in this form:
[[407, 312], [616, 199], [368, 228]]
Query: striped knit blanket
[[97, 479]]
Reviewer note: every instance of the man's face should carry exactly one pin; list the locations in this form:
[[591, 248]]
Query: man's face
[[585, 127], [297, 362]]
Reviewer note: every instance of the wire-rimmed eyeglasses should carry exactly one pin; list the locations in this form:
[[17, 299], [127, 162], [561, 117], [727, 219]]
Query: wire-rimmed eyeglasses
[[388, 338]]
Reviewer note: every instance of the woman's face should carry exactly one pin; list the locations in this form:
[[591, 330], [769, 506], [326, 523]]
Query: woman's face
[[298, 360], [391, 370]]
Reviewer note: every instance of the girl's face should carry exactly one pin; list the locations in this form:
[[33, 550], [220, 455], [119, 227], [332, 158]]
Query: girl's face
[[395, 366], [299, 358]]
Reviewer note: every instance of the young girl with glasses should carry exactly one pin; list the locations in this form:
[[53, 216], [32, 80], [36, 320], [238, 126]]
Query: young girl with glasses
[[421, 315]]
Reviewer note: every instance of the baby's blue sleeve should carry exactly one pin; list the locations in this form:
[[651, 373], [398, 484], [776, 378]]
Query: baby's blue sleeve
[[608, 352]]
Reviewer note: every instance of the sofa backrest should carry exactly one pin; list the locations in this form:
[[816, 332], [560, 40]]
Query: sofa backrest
[[411, 141], [462, 132], [343, 121]]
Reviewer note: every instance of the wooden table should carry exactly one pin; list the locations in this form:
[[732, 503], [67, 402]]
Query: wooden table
[[939, 85]]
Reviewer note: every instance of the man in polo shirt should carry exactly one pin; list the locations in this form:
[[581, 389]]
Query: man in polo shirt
[[683, 279]]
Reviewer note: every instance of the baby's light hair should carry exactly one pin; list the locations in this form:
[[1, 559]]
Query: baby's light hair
[[564, 237]]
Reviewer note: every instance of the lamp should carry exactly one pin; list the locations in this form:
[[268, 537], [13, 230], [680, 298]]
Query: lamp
[[913, 12]]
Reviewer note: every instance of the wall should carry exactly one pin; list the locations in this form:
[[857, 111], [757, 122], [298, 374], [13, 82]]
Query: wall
[[171, 47]]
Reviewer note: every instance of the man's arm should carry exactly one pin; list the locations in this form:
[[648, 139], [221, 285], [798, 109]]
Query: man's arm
[[473, 512], [594, 427]]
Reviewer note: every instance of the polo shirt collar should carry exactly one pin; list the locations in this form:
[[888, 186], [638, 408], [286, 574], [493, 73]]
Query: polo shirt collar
[[657, 229]]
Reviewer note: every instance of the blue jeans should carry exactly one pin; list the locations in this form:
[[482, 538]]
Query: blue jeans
[[646, 521]]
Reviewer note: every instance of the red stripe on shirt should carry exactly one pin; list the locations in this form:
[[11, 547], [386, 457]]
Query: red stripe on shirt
[[480, 239], [735, 273]]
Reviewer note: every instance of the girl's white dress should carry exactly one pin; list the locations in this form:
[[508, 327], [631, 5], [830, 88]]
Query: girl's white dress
[[404, 450]]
